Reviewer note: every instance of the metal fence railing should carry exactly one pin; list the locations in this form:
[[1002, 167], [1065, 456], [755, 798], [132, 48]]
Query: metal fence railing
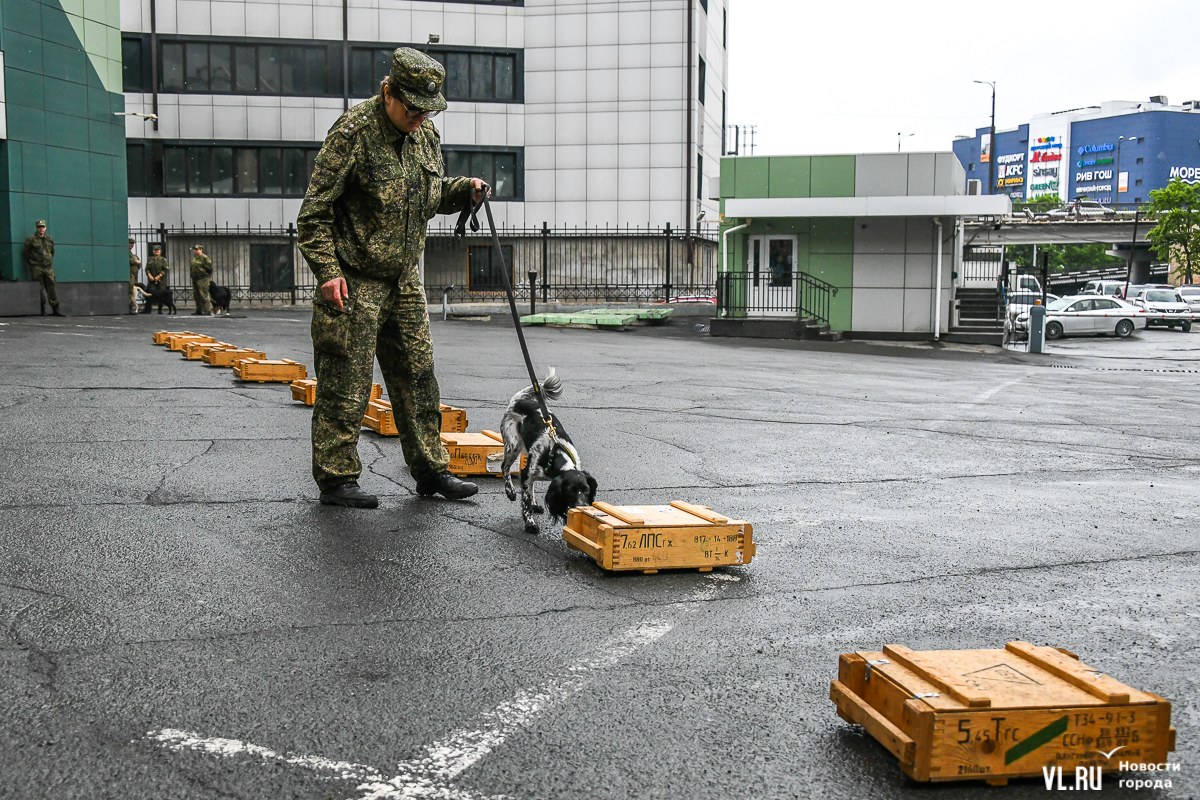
[[750, 294], [263, 265]]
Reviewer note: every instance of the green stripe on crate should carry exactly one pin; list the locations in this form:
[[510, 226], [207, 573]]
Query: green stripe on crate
[[1031, 743]]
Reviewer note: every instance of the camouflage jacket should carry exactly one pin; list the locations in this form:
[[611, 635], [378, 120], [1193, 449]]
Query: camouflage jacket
[[156, 266], [135, 264], [201, 268], [39, 252], [373, 191]]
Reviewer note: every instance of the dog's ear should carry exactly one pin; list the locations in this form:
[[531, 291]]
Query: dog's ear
[[556, 501], [591, 487]]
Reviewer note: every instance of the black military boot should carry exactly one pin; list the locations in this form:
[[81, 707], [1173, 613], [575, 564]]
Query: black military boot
[[43, 308], [446, 485], [55, 312], [349, 494]]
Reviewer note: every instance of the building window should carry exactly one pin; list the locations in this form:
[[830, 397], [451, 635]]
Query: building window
[[133, 66], [220, 67], [501, 167], [723, 125], [702, 77], [971, 167], [484, 271], [725, 28], [163, 168], [699, 177], [471, 75], [1138, 182], [1140, 160]]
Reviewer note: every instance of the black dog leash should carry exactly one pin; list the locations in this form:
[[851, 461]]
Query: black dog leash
[[470, 209]]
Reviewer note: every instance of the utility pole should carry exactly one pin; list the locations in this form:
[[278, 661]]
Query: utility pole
[[992, 142]]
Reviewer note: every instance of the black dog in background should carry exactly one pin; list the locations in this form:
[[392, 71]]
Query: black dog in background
[[221, 297], [550, 458], [160, 297]]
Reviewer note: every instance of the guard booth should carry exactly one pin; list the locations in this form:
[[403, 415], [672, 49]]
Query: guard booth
[[860, 245]]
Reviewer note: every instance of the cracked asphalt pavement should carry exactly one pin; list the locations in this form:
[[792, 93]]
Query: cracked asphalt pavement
[[166, 567]]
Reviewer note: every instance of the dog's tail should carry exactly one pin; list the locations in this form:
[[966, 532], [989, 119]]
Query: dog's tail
[[551, 385]]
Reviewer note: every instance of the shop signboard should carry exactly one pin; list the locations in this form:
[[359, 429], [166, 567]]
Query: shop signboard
[[1047, 164]]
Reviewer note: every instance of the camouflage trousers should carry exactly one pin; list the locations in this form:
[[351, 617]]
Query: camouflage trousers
[[45, 278], [200, 295], [387, 320]]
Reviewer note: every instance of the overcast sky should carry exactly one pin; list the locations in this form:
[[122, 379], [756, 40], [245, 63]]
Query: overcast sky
[[844, 76]]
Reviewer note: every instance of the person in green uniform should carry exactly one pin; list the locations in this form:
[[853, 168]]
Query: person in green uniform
[[156, 272], [39, 255], [135, 264], [202, 270], [377, 181]]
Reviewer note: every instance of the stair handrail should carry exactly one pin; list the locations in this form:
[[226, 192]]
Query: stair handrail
[[815, 296]]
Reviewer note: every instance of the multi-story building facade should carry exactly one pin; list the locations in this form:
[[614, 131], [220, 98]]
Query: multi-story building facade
[[576, 111], [1115, 152]]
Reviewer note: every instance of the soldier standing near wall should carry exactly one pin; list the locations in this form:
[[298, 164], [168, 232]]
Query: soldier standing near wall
[[39, 254], [202, 270], [135, 264], [377, 182], [156, 269]]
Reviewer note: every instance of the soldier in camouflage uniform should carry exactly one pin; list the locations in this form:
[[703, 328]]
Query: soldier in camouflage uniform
[[135, 264], [201, 270], [39, 254], [156, 268], [377, 182]]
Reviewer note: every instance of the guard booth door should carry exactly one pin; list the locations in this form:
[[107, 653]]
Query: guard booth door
[[771, 276]]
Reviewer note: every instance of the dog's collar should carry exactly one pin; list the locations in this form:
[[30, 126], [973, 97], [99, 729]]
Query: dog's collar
[[571, 452]]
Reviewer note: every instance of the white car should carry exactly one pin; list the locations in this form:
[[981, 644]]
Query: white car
[[1088, 314], [1082, 209], [1190, 295], [1106, 288], [1164, 307], [1020, 302]]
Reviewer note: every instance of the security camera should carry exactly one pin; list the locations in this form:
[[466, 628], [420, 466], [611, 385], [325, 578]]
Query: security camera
[[434, 38]]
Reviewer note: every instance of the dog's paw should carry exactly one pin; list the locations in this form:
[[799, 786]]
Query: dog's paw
[[531, 526], [536, 509]]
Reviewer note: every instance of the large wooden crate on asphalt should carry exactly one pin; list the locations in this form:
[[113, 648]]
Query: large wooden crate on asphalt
[[194, 351], [227, 358], [379, 418], [160, 337], [992, 715], [177, 341], [263, 370], [476, 453], [650, 538], [305, 391], [454, 420]]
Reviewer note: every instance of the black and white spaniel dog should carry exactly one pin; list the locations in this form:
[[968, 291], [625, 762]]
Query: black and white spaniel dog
[[549, 458]]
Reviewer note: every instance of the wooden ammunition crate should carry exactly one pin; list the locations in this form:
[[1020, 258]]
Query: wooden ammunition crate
[[160, 337], [454, 420], [650, 538], [377, 392], [194, 351], [227, 358], [268, 370], [305, 391], [380, 418], [177, 341], [476, 453], [992, 715]]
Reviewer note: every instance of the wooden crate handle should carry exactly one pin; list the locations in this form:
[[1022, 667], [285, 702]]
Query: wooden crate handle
[[1073, 672], [624, 516], [582, 543], [948, 683], [887, 734], [701, 512], [494, 435]]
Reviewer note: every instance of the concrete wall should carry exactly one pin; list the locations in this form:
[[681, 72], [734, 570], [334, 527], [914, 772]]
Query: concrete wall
[[76, 299]]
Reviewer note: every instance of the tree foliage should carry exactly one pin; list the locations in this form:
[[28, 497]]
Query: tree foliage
[[1177, 234], [1063, 257]]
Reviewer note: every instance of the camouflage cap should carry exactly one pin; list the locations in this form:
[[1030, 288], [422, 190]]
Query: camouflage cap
[[41, 223], [197, 247], [132, 240], [419, 78], [156, 246]]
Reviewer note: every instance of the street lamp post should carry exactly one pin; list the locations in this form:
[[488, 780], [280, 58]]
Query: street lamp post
[[901, 137], [992, 142]]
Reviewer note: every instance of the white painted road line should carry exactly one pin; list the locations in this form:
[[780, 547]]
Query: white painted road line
[[429, 777]]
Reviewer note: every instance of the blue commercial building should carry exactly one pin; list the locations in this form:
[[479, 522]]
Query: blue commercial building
[[1113, 153]]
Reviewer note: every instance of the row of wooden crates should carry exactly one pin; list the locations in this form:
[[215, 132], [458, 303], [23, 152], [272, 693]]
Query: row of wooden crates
[[248, 364]]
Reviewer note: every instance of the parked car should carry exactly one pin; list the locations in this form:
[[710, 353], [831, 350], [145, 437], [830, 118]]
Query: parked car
[[1191, 296], [1107, 288], [1164, 307], [1019, 302], [1088, 314], [1024, 282]]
